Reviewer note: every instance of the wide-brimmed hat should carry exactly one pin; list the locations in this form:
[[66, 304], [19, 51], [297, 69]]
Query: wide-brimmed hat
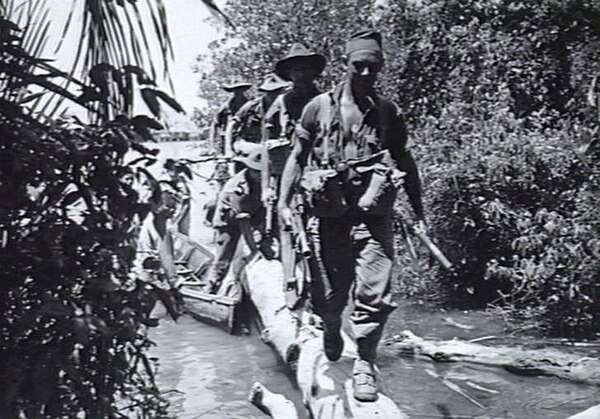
[[251, 157], [238, 85], [272, 83], [299, 53]]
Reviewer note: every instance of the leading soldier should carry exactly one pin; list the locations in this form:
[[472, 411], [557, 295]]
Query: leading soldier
[[354, 238]]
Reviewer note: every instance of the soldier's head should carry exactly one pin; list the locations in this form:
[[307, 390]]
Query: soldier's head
[[300, 66], [272, 86], [364, 59], [238, 88]]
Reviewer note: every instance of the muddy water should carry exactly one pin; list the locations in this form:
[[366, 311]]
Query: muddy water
[[208, 373]]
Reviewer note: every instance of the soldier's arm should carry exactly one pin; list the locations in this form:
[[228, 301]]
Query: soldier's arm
[[234, 127], [292, 171], [406, 163]]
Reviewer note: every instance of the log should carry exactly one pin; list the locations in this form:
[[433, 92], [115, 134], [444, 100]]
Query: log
[[547, 361], [326, 386], [273, 404]]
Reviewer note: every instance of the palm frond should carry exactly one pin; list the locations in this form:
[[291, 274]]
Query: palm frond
[[115, 32]]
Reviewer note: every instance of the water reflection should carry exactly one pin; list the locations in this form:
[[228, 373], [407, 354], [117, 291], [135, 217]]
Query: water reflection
[[213, 371]]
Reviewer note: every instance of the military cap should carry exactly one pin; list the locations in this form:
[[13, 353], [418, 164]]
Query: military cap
[[364, 40]]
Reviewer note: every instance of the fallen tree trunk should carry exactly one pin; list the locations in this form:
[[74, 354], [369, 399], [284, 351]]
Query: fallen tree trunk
[[273, 404], [550, 362], [326, 386], [591, 413]]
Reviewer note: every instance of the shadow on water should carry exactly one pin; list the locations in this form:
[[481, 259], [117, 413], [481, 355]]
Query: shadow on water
[[212, 371]]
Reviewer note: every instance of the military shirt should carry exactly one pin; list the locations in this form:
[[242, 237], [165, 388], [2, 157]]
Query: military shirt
[[237, 196], [285, 112], [381, 127], [229, 109], [248, 121], [321, 129]]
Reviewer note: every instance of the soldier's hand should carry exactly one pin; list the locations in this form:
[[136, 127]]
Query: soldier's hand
[[285, 214], [420, 226], [242, 147]]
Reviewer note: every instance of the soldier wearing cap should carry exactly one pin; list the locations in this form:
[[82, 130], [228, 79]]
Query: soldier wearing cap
[[354, 242], [227, 111], [238, 207]]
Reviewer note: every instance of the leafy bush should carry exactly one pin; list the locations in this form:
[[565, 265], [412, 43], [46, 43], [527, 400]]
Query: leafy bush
[[495, 94], [73, 331]]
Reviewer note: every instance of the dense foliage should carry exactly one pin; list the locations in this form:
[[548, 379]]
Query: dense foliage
[[73, 331], [495, 96]]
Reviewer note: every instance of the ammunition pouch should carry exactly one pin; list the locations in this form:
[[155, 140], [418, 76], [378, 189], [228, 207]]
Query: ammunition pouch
[[324, 193], [369, 184]]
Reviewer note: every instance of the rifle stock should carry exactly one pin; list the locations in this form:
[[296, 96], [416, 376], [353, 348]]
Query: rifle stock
[[433, 249]]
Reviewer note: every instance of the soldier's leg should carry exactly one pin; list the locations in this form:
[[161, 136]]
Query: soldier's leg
[[227, 238], [332, 275], [374, 253]]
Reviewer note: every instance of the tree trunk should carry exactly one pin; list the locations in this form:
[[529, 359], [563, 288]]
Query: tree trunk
[[326, 386], [273, 404], [591, 413], [550, 362]]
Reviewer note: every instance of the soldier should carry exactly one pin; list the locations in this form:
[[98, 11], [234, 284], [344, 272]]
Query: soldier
[[301, 67], [238, 208], [177, 173], [354, 239], [226, 113], [247, 124]]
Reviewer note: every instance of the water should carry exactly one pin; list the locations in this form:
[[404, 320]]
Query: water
[[211, 372], [214, 371]]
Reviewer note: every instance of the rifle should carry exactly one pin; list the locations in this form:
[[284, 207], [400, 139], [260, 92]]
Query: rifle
[[408, 226], [295, 250], [216, 158]]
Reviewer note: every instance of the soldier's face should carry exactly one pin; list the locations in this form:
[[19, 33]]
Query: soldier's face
[[301, 73], [363, 68]]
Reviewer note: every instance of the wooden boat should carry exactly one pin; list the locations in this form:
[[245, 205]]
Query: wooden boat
[[192, 261]]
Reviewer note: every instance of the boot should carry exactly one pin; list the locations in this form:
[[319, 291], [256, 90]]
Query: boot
[[333, 344], [364, 381]]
